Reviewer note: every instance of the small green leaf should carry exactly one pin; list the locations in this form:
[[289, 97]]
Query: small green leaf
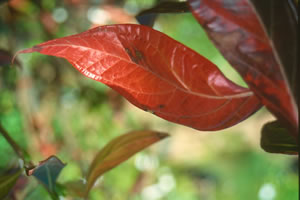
[[47, 172], [7, 181], [119, 150], [277, 139]]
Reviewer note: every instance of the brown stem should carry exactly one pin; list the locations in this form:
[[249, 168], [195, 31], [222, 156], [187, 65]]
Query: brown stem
[[18, 150]]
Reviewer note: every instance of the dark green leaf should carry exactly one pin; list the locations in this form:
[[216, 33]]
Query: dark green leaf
[[47, 172], [147, 17], [118, 151], [276, 139], [7, 181]]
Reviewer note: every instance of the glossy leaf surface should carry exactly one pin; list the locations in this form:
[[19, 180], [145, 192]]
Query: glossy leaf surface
[[47, 172], [7, 182], [119, 150], [157, 74], [236, 30], [276, 139]]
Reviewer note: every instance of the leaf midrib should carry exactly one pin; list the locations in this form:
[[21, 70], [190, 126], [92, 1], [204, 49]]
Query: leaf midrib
[[240, 95]]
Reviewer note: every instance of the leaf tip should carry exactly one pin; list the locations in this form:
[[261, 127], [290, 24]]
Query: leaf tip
[[35, 48]]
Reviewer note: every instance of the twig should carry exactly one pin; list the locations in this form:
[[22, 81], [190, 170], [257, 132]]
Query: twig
[[18, 150]]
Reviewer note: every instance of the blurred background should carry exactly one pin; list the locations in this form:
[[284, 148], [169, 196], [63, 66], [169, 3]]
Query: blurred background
[[49, 108]]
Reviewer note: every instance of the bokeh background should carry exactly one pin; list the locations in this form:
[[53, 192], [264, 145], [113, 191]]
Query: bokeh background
[[49, 108]]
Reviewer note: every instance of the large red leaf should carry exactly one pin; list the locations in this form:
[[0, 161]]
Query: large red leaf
[[236, 30], [157, 74]]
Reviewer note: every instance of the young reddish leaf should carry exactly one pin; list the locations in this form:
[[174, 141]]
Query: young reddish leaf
[[119, 150], [236, 30], [157, 74]]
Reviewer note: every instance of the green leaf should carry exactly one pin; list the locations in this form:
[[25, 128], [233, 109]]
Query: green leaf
[[118, 151], [277, 139], [47, 172], [7, 182]]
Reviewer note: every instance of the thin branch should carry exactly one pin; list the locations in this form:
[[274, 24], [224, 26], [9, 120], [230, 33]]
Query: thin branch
[[17, 149]]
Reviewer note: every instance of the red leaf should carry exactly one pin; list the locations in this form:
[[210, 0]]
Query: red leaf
[[157, 74], [236, 30]]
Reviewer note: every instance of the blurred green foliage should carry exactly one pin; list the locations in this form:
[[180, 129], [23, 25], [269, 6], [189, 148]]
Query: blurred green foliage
[[49, 108]]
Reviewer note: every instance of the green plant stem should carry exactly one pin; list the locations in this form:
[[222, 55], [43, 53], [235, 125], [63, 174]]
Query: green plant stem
[[17, 149]]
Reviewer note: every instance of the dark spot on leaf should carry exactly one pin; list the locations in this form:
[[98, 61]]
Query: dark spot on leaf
[[135, 56], [132, 57], [139, 55]]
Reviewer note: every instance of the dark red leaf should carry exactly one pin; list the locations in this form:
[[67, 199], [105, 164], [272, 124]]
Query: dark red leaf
[[157, 74], [280, 19], [236, 30]]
